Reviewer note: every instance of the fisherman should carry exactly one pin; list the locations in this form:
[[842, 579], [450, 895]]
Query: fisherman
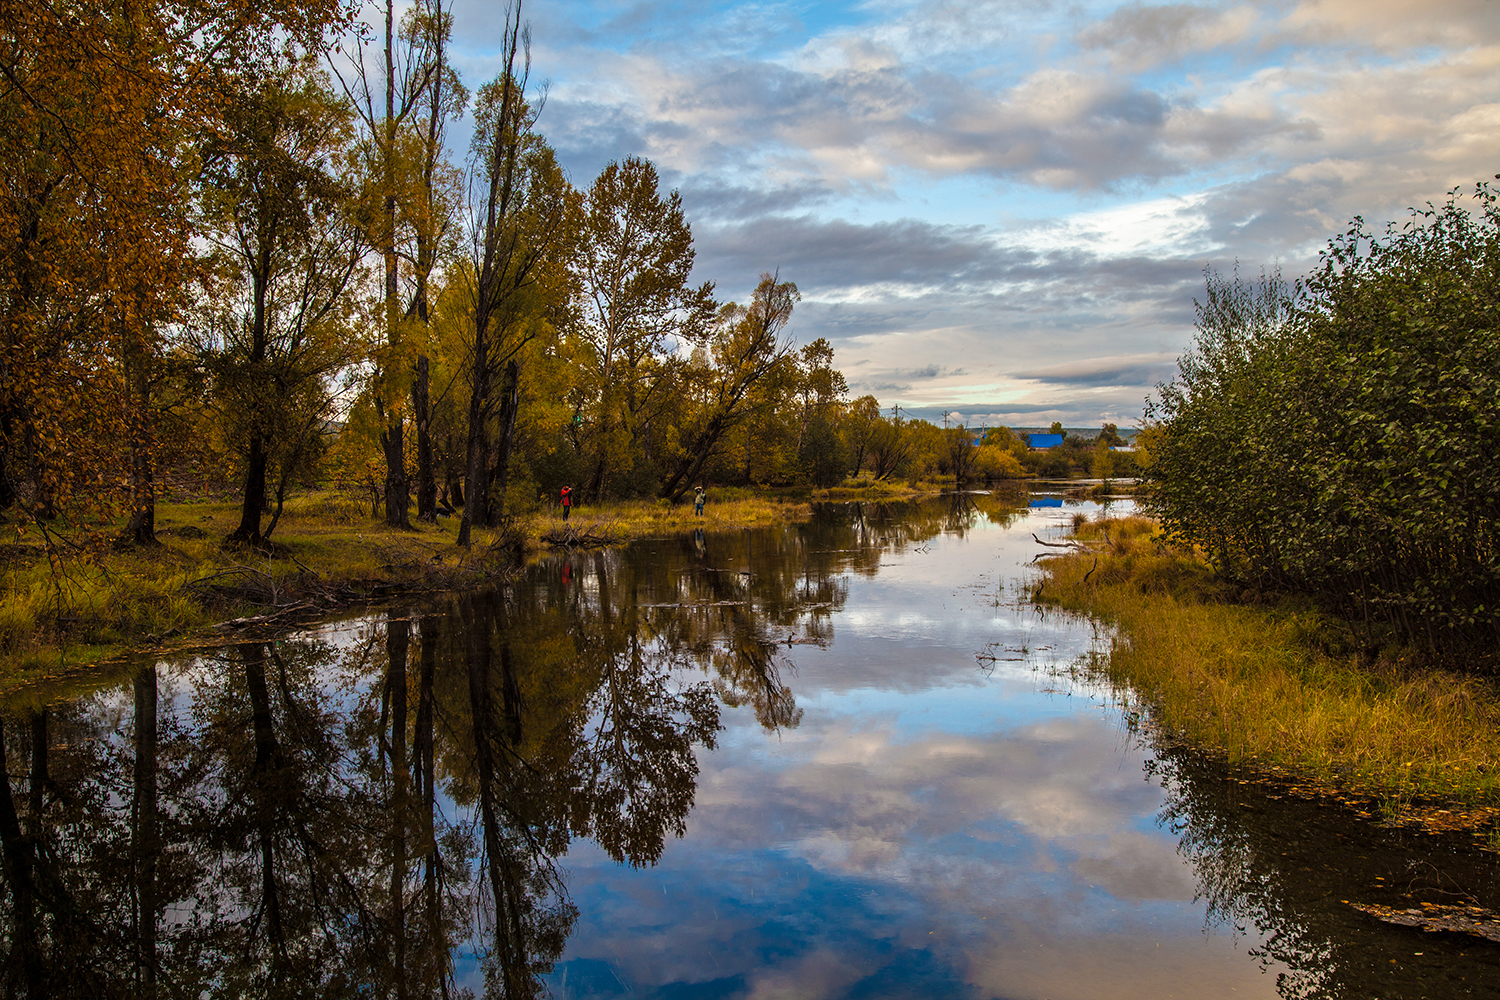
[[698, 499], [567, 500]]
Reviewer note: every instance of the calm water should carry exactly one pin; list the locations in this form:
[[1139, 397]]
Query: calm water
[[845, 759]]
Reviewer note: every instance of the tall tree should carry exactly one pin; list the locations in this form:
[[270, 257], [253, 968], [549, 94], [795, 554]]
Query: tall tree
[[745, 345], [286, 253], [430, 215], [521, 219], [103, 119], [387, 100], [634, 256], [861, 423]]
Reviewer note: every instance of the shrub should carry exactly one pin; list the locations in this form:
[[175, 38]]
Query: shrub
[[1339, 435]]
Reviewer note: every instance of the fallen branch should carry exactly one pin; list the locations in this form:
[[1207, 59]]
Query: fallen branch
[[571, 538], [279, 614], [1080, 546]]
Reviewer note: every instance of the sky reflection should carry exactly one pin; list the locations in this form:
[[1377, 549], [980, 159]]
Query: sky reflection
[[655, 775], [929, 829]]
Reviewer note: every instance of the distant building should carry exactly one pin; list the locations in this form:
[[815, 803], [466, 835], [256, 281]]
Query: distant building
[[1041, 442]]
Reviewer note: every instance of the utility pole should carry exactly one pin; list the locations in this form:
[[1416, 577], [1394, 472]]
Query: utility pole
[[945, 420], [897, 410]]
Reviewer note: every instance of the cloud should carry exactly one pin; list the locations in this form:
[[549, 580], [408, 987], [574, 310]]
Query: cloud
[[1128, 370], [1139, 36], [1391, 25], [713, 201], [1003, 189]]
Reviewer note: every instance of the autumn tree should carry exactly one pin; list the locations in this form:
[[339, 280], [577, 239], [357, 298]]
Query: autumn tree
[[744, 346], [764, 449], [521, 283], [821, 388], [388, 100], [431, 212], [285, 253], [861, 422], [95, 248], [962, 451], [103, 117], [1000, 455], [633, 256]]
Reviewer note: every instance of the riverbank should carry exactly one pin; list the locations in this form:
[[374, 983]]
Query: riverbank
[[1281, 689], [882, 490], [326, 554]]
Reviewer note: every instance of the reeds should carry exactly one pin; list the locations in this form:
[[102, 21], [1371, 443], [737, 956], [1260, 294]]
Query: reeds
[[1278, 685]]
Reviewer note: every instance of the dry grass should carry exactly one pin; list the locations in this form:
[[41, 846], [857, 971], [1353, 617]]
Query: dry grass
[[624, 520], [326, 550], [1278, 686], [869, 489]]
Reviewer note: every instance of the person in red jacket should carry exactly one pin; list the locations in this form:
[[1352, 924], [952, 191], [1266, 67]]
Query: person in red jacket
[[567, 501]]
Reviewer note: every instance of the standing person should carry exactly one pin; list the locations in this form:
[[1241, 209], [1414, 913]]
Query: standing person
[[698, 499], [567, 500]]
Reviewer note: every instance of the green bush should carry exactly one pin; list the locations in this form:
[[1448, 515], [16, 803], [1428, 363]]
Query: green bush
[[1339, 435]]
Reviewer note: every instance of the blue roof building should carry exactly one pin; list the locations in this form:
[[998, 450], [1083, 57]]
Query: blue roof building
[[1041, 442]]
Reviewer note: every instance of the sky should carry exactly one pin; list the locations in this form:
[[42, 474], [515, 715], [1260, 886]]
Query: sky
[[1004, 210]]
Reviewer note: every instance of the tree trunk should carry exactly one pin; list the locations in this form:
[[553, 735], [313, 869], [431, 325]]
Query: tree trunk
[[476, 485], [393, 438], [141, 530], [145, 847], [509, 404], [422, 417], [255, 466], [397, 493], [255, 494]]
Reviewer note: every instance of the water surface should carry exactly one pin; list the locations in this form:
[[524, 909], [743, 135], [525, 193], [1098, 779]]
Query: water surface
[[842, 759]]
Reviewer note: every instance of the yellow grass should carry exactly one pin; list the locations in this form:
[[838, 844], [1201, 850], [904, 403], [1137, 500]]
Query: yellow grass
[[885, 489], [1281, 686], [325, 549], [624, 520]]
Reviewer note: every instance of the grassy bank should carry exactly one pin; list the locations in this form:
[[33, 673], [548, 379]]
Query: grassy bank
[[1280, 686], [881, 490], [326, 553], [622, 521]]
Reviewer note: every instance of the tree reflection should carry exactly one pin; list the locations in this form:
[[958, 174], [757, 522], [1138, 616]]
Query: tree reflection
[[1286, 869], [378, 809]]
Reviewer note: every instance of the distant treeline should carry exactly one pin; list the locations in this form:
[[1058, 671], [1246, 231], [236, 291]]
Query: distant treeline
[[237, 256], [1340, 435]]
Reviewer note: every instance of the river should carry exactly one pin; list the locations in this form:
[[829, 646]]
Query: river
[[844, 759]]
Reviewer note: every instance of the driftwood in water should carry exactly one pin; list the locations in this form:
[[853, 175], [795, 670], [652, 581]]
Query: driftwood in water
[[1434, 917], [1077, 545], [571, 538]]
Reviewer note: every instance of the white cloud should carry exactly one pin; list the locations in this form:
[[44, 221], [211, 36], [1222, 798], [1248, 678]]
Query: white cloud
[[1140, 141]]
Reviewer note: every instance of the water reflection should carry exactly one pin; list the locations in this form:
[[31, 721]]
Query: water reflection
[[1289, 869], [360, 810], [478, 796]]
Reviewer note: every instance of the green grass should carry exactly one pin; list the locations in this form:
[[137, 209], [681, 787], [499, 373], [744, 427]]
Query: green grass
[[1278, 686]]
